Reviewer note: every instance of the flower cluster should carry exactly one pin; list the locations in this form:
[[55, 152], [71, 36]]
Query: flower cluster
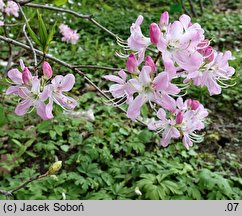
[[11, 8], [69, 35], [40, 93], [184, 54]]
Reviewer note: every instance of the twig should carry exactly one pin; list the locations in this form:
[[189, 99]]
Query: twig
[[26, 36], [11, 192], [10, 58], [87, 17], [98, 67], [184, 8], [71, 67], [157, 57], [194, 13], [201, 6]]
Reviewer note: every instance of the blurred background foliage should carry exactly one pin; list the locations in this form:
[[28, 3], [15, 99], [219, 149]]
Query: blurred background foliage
[[112, 157]]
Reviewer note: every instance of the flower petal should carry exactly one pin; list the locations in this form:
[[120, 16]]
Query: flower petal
[[15, 76], [23, 107]]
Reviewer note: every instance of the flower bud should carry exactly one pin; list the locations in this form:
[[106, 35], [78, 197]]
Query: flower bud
[[137, 191], [47, 70], [54, 168], [195, 104], [149, 62], [189, 102], [26, 76], [154, 33], [179, 118], [132, 63], [209, 54], [164, 19]]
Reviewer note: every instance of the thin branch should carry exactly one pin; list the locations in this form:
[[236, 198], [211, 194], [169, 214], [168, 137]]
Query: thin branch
[[71, 67], [26, 36], [194, 13], [98, 67], [8, 194], [87, 17], [157, 57], [201, 6], [185, 9]]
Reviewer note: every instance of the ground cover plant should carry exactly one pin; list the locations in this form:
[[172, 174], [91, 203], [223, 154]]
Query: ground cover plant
[[161, 122]]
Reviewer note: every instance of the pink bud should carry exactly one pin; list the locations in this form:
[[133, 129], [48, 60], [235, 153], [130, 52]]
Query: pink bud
[[154, 33], [164, 19], [47, 70], [195, 104], [209, 54], [26, 76], [132, 63], [190, 24], [149, 62], [189, 102], [179, 118]]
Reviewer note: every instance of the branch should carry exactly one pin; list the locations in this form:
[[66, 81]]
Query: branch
[[86, 17], [98, 67], [6, 33], [71, 67], [192, 8], [26, 36]]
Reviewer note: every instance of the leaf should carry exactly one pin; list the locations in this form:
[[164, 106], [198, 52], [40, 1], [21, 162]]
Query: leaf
[[42, 31], [65, 148], [2, 117], [60, 2], [50, 36], [33, 35]]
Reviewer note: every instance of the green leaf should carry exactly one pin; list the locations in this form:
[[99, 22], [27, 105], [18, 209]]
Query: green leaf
[[65, 148], [33, 35], [2, 117], [50, 36], [42, 31], [60, 2]]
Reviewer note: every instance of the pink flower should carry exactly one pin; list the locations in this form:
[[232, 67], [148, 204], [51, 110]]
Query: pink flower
[[166, 126], [69, 35], [33, 97], [11, 8], [121, 89], [149, 90], [47, 70], [1, 23], [137, 41], [60, 84], [187, 122], [179, 44], [213, 74], [28, 88]]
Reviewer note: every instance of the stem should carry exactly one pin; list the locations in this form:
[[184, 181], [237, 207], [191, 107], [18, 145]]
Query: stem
[[98, 67], [86, 17], [8, 194], [26, 36], [194, 13], [157, 57]]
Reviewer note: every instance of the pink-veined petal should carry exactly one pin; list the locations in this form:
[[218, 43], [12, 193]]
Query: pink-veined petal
[[23, 107], [67, 82], [15, 76], [134, 107]]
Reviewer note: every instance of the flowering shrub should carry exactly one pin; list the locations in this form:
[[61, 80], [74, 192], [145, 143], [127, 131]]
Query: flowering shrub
[[185, 54], [40, 93]]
